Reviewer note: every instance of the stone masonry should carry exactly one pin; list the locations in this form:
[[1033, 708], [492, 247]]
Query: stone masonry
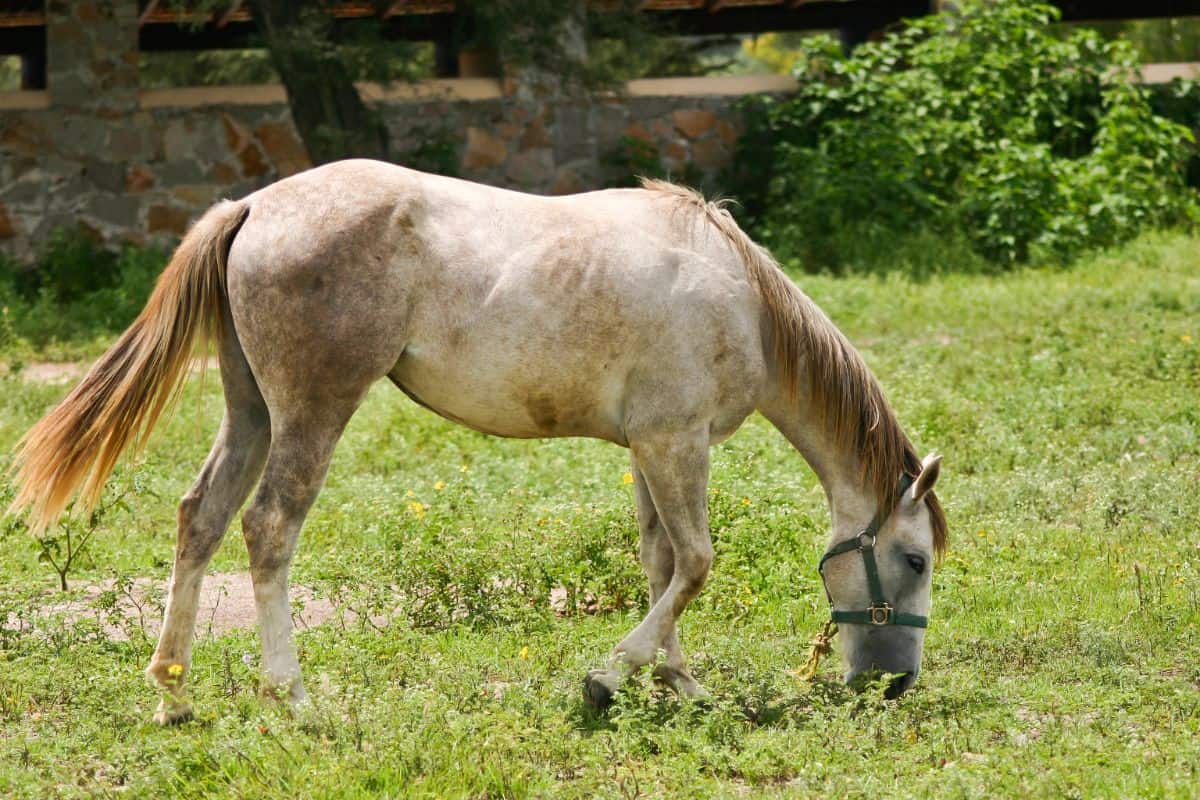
[[102, 160]]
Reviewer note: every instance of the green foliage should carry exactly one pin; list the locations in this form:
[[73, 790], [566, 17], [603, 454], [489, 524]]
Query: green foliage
[[66, 544], [206, 68], [72, 264], [626, 47], [631, 159], [1065, 630], [362, 49], [529, 33], [1157, 40], [635, 158], [437, 151], [982, 127], [1179, 101], [620, 42], [76, 288], [10, 73]]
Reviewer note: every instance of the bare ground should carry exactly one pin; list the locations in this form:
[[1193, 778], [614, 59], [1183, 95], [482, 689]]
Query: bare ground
[[226, 604], [70, 371]]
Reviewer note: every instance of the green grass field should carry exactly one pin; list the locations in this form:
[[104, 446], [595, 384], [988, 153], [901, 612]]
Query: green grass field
[[1063, 658]]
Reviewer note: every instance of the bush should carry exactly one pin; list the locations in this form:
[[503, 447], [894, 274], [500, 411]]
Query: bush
[[1179, 101], [75, 289], [984, 128]]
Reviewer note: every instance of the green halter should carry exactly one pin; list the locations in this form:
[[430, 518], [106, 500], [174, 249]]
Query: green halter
[[880, 612]]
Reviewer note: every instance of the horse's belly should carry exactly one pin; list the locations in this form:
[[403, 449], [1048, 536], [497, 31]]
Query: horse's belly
[[510, 399]]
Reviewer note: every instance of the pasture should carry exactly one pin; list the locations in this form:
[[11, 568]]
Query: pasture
[[476, 580]]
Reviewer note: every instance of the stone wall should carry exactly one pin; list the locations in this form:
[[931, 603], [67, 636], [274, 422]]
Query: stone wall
[[148, 172], [96, 154]]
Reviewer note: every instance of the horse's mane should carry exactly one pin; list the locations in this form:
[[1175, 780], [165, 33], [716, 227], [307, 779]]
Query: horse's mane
[[812, 355]]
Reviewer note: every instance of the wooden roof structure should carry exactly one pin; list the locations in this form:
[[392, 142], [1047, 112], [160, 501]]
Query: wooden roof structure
[[163, 27]]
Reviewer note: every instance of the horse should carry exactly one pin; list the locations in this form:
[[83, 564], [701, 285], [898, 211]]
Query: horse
[[644, 316]]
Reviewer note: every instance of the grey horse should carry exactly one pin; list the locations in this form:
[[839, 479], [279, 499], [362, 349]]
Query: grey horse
[[645, 317]]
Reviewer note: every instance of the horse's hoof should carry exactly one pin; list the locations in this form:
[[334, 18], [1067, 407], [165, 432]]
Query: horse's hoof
[[173, 714], [600, 688], [683, 684], [287, 694]]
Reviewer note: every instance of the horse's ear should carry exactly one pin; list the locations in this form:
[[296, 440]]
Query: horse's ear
[[931, 467]]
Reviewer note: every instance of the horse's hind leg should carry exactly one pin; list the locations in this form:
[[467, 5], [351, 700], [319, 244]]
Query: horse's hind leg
[[302, 443], [227, 476], [658, 561], [675, 470]]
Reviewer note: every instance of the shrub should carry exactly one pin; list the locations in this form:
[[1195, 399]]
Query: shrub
[[1179, 101], [76, 288], [983, 127]]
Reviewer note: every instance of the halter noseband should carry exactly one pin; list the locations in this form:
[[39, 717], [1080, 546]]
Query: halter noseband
[[880, 612]]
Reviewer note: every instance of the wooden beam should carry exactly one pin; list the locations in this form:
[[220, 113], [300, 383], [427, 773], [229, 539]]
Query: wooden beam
[[713, 6], [21, 19], [147, 12], [1104, 10], [224, 19], [394, 8]]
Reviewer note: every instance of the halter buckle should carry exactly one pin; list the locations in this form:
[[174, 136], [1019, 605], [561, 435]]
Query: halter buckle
[[881, 613], [866, 540]]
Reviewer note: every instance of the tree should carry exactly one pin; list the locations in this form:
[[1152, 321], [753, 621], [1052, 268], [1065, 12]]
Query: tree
[[327, 110]]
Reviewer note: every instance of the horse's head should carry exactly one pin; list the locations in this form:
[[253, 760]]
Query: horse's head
[[879, 581]]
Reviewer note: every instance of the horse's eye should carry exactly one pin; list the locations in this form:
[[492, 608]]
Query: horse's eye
[[917, 563]]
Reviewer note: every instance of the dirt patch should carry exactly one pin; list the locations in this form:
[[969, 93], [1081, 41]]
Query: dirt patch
[[129, 608], [70, 371], [52, 372], [226, 604]]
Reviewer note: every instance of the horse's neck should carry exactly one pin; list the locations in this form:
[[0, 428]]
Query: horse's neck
[[851, 504]]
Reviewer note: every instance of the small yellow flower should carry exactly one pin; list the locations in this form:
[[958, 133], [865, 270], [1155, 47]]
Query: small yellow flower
[[627, 478], [746, 501], [524, 654], [175, 670], [1186, 339], [439, 485], [410, 493], [463, 469], [417, 508]]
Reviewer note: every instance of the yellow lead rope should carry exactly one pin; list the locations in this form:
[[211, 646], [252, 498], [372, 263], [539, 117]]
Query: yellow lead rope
[[822, 645]]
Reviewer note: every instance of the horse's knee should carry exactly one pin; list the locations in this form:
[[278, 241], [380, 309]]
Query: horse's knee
[[266, 540], [656, 554], [692, 564], [196, 540]]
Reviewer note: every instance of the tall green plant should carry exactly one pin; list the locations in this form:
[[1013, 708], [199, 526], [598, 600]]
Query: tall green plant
[[983, 127]]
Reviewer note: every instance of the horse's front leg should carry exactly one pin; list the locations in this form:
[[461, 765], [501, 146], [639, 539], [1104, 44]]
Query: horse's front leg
[[672, 476], [658, 561]]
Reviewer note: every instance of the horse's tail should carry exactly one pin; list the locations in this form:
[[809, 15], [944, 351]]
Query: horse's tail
[[75, 447]]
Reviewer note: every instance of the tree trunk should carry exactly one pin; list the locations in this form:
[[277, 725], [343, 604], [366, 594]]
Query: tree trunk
[[326, 108]]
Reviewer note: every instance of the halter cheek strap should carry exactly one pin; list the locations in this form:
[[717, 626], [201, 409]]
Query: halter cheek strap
[[880, 612]]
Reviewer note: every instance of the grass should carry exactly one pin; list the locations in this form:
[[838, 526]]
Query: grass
[[1063, 658]]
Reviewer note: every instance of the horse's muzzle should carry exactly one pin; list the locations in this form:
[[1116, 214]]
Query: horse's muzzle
[[898, 685], [893, 651]]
